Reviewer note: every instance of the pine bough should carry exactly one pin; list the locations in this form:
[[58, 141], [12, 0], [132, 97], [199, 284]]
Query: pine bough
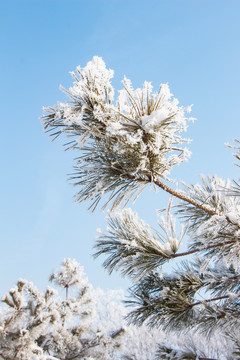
[[125, 145]]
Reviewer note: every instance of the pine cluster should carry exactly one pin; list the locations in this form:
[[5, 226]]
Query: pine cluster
[[42, 325]]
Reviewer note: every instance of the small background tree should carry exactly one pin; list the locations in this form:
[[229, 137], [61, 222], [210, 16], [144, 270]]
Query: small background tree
[[87, 324]]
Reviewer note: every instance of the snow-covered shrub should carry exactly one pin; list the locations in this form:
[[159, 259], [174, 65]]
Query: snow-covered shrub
[[86, 324]]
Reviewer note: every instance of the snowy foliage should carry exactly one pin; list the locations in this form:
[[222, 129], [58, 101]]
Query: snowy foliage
[[70, 275], [124, 145], [41, 325], [135, 138], [136, 248]]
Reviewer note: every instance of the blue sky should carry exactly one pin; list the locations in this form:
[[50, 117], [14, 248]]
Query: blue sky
[[193, 45]]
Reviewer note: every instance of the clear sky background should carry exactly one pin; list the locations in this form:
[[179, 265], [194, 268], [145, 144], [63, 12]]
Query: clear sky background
[[191, 44]]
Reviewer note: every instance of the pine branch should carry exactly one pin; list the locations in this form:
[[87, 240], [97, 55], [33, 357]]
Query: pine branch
[[134, 246], [172, 302], [125, 146]]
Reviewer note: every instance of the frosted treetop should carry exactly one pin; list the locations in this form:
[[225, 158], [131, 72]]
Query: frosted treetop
[[136, 136]]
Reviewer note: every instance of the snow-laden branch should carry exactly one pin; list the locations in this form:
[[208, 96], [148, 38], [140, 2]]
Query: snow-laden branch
[[125, 144]]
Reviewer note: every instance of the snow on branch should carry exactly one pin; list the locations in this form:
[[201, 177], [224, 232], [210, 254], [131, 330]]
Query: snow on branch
[[123, 144], [134, 247]]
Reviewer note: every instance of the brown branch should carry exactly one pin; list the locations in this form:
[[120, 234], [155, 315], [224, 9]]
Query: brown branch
[[209, 300], [185, 198], [191, 201], [66, 287], [206, 248], [182, 197]]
